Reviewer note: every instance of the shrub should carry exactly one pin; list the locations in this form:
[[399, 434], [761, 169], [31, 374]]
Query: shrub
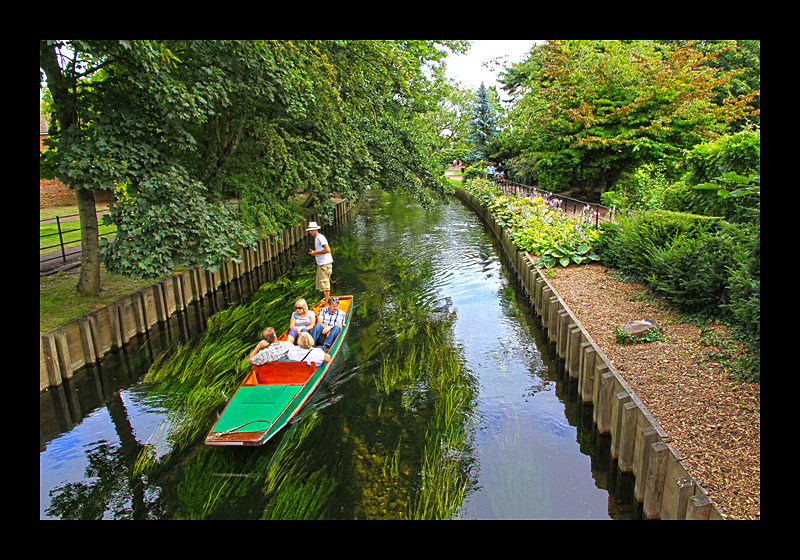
[[740, 153], [678, 197], [744, 284], [613, 198], [644, 188], [704, 266], [692, 272], [483, 190], [630, 244]]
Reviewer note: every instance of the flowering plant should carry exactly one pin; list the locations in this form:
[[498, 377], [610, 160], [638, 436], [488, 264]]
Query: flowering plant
[[538, 225]]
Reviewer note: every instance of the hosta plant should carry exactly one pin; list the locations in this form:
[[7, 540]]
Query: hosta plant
[[564, 254]]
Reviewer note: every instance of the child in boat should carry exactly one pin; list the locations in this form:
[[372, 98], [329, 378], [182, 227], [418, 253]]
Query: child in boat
[[306, 352], [269, 349], [302, 320]]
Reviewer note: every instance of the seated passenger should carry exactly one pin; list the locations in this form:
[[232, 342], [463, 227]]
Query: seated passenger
[[302, 320], [306, 352], [330, 323], [269, 349]]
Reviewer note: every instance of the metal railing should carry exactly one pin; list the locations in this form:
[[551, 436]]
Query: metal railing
[[62, 245], [598, 211]]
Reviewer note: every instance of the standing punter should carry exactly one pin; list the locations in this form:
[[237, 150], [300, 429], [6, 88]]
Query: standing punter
[[321, 252]]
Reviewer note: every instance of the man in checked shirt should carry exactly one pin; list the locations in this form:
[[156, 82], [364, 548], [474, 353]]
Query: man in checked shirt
[[330, 322], [269, 349]]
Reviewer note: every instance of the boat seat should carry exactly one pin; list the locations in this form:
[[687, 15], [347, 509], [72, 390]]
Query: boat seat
[[281, 372]]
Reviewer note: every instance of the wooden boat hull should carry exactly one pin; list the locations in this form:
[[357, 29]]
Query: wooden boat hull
[[272, 394]]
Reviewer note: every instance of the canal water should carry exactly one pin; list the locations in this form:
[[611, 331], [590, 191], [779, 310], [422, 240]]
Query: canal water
[[446, 401]]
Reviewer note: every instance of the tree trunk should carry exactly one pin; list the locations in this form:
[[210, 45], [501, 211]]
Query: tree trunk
[[89, 283]]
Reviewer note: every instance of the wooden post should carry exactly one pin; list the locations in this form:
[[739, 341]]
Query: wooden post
[[698, 508], [616, 422], [606, 403], [552, 323], [540, 284], [599, 370], [52, 365], [586, 387], [656, 473], [564, 325], [684, 489], [149, 307], [649, 436], [547, 293], [573, 358], [630, 413]]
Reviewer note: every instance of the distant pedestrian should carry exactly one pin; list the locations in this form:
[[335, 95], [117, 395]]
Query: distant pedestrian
[[500, 173], [322, 253]]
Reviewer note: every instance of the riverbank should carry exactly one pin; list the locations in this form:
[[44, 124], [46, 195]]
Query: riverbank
[[713, 420], [684, 379]]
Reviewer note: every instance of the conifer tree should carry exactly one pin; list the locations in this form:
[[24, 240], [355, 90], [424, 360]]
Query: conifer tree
[[483, 124]]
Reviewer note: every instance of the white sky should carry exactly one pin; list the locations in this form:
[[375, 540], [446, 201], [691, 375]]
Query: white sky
[[468, 69]]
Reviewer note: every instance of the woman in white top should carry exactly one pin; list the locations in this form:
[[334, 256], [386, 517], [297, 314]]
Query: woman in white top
[[302, 320], [306, 352]]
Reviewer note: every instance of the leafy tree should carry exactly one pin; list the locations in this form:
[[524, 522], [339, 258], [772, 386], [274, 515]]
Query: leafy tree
[[383, 89], [120, 116], [447, 124], [178, 126], [742, 56], [590, 110], [483, 124]]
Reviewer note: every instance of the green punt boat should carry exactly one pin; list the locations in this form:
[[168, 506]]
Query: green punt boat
[[273, 393]]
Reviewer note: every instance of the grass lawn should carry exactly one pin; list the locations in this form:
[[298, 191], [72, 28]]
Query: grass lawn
[[59, 301], [71, 230]]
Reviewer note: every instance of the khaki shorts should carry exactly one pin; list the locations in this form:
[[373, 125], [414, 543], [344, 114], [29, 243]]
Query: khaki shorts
[[324, 277]]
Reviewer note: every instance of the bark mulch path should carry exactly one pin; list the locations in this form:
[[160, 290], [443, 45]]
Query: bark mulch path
[[714, 421]]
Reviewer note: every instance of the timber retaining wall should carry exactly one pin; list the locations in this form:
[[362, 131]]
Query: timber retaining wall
[[84, 341], [663, 486]]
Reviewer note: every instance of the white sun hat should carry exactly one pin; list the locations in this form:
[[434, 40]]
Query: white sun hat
[[312, 225]]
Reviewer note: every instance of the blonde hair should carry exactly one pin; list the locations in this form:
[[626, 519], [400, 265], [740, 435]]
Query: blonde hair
[[305, 341], [302, 303]]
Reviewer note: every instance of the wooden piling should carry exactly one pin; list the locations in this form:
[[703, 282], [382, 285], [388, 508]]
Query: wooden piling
[[586, 385], [698, 507], [656, 477]]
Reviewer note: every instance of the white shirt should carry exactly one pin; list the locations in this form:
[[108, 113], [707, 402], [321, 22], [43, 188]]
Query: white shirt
[[316, 356], [319, 245]]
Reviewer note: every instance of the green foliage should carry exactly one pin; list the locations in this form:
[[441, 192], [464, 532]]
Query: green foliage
[[691, 272], [538, 226], [167, 221], [629, 244], [737, 152], [483, 123], [622, 337], [743, 192], [613, 198], [731, 162], [255, 120], [566, 253], [644, 188], [704, 266], [590, 110], [485, 191], [744, 287], [448, 155]]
